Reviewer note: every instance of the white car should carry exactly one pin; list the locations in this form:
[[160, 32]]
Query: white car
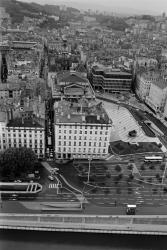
[[51, 178]]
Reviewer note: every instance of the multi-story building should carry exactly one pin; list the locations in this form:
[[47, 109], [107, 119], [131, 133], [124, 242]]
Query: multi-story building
[[143, 85], [157, 95], [82, 130], [110, 80], [10, 90], [72, 86], [3, 122], [26, 132]]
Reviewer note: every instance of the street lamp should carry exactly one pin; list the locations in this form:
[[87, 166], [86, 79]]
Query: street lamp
[[89, 159]]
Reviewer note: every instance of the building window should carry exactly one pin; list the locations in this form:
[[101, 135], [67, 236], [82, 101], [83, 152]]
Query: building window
[[64, 137], [90, 144], [99, 144], [69, 137], [95, 144], [64, 131], [64, 143], [85, 132], [75, 131], [79, 143], [59, 136], [70, 131], [101, 132], [69, 143], [59, 143], [106, 133], [75, 143], [91, 132], [80, 132], [95, 132], [84, 143], [75, 137], [104, 150]]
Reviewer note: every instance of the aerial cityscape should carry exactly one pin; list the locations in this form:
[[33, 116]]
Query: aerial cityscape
[[83, 118]]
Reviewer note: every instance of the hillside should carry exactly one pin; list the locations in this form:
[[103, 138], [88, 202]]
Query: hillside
[[17, 10]]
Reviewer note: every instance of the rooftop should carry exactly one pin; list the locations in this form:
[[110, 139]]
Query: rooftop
[[83, 112], [72, 77], [23, 122]]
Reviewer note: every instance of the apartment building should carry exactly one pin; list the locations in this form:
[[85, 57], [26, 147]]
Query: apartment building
[[3, 136], [25, 132], [71, 85], [157, 95], [110, 80], [143, 85], [82, 130]]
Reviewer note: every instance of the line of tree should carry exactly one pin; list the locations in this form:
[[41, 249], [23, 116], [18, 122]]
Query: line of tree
[[16, 163]]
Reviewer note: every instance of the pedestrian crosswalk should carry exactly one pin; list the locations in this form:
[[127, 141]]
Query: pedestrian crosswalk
[[52, 185]]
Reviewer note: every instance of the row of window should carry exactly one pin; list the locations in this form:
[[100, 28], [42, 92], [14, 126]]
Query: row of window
[[25, 141], [82, 127], [82, 132], [80, 150], [25, 131], [25, 135], [81, 138], [90, 144]]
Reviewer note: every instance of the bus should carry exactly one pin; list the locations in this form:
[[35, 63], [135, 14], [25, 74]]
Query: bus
[[153, 158]]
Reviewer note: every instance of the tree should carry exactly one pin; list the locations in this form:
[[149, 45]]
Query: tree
[[118, 168], [17, 163]]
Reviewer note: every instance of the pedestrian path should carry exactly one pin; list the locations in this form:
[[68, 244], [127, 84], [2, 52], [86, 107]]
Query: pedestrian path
[[52, 185]]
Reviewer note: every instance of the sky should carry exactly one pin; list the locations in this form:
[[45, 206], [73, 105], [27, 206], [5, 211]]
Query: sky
[[131, 6]]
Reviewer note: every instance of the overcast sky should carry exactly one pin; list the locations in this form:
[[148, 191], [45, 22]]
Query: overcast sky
[[145, 6]]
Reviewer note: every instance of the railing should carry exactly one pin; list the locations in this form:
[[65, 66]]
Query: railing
[[155, 225]]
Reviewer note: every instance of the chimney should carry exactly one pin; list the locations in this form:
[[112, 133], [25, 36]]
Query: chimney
[[69, 116], [62, 113]]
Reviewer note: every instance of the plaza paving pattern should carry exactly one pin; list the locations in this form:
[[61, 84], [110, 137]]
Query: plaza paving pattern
[[123, 122]]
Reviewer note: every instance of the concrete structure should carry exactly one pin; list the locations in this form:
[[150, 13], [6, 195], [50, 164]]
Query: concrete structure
[[110, 80], [82, 130], [142, 225]]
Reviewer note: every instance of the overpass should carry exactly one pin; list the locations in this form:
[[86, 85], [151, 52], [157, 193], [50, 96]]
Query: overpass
[[144, 225]]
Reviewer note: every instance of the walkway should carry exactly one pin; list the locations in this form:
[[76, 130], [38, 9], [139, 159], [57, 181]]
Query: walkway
[[150, 225]]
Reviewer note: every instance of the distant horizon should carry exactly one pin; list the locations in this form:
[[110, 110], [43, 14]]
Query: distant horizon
[[131, 7]]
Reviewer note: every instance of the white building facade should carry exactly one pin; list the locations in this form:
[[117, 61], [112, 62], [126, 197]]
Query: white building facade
[[157, 95], [81, 135]]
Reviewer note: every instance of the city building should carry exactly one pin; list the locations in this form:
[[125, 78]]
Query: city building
[[3, 122], [111, 80], [157, 95], [26, 132], [143, 83], [82, 130], [72, 85]]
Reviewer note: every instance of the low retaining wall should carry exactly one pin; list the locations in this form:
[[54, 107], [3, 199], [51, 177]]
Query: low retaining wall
[[151, 225]]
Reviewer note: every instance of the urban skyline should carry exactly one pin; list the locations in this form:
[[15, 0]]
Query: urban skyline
[[119, 6]]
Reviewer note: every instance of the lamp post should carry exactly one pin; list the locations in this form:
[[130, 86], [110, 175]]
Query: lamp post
[[89, 159]]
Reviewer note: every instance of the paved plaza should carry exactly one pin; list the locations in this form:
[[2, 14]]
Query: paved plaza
[[123, 122]]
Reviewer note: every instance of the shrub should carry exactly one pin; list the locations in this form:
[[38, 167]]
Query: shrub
[[118, 168], [142, 167], [162, 167], [157, 176]]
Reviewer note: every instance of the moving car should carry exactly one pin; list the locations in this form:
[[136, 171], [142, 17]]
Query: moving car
[[131, 209]]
